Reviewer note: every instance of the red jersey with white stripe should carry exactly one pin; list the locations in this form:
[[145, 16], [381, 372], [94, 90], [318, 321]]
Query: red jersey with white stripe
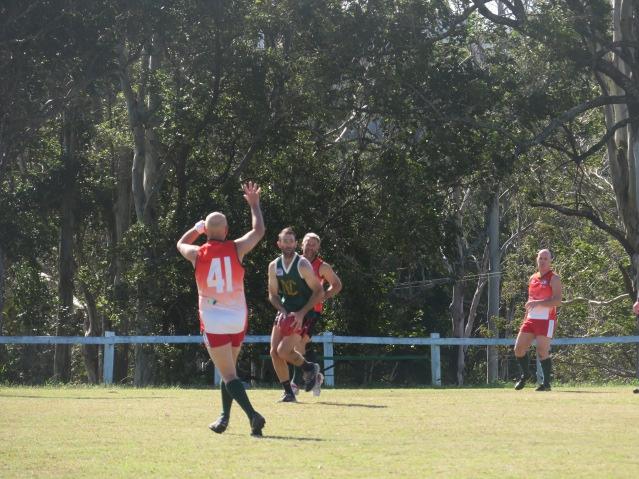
[[220, 283], [539, 288], [317, 264]]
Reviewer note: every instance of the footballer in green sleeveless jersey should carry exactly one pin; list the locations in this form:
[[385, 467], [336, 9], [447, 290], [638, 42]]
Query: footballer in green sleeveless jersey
[[293, 290]]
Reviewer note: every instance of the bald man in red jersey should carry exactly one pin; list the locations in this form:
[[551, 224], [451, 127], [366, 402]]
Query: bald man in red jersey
[[544, 295], [219, 276]]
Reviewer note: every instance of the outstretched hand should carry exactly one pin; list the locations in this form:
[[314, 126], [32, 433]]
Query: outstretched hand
[[251, 193]]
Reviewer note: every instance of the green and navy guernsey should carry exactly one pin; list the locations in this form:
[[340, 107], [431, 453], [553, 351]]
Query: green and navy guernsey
[[293, 290]]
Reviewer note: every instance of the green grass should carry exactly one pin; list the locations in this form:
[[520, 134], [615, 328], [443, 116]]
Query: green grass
[[346, 433]]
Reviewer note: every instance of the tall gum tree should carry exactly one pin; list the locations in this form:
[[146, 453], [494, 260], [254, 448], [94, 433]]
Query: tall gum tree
[[598, 38]]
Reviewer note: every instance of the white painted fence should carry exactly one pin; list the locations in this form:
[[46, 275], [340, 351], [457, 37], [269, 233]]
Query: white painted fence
[[327, 339]]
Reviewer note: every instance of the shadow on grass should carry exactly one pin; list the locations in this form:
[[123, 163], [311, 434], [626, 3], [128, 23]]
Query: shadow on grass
[[581, 392], [77, 397], [292, 438], [281, 438], [345, 404]]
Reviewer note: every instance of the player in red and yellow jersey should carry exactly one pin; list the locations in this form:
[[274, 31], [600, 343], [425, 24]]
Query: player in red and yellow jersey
[[544, 295], [219, 276]]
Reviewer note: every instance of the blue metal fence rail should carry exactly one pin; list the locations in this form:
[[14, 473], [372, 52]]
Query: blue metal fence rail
[[327, 339]]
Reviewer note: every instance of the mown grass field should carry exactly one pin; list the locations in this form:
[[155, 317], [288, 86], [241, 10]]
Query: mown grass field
[[346, 433]]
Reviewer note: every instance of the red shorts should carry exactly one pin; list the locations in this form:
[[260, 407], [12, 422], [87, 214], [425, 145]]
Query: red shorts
[[212, 340], [539, 327], [307, 325]]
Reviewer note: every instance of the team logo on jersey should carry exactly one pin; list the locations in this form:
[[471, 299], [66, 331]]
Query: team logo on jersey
[[289, 287], [279, 272]]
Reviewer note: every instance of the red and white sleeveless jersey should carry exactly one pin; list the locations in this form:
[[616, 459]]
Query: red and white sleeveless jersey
[[317, 264], [220, 283], [539, 288]]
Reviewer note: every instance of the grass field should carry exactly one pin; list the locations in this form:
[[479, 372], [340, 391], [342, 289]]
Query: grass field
[[345, 433]]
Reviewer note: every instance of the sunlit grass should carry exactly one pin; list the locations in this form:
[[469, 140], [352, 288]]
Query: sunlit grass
[[345, 433]]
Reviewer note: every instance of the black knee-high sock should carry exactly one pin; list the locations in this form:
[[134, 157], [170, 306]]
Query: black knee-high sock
[[523, 363], [546, 367], [287, 387], [227, 400], [236, 389], [311, 356]]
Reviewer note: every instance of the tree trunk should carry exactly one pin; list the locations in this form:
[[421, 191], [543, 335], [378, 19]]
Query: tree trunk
[[2, 273], [64, 327], [145, 178], [91, 352], [494, 281], [143, 353], [1, 290], [121, 206], [123, 160], [623, 148], [457, 315], [637, 348], [461, 365]]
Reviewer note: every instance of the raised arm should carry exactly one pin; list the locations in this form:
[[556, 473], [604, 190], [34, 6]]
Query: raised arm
[[247, 242], [334, 283], [185, 244]]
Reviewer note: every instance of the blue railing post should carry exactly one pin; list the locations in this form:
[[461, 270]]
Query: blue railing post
[[329, 368], [108, 358], [435, 362]]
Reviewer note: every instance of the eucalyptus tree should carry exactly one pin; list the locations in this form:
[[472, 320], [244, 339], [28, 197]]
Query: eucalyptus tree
[[595, 131], [50, 58]]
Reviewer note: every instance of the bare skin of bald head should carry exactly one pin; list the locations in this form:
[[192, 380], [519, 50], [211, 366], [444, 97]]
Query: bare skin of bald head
[[544, 261], [216, 226]]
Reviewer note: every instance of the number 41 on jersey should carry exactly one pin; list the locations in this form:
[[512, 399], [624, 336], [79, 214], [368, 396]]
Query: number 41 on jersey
[[220, 277]]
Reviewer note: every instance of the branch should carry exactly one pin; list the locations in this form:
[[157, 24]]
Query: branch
[[454, 24], [568, 116], [517, 9], [580, 299], [248, 156], [481, 283], [609, 134], [617, 48], [513, 237], [609, 69], [594, 219]]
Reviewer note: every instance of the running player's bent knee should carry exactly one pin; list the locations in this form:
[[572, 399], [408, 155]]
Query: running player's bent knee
[[284, 351], [520, 352]]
